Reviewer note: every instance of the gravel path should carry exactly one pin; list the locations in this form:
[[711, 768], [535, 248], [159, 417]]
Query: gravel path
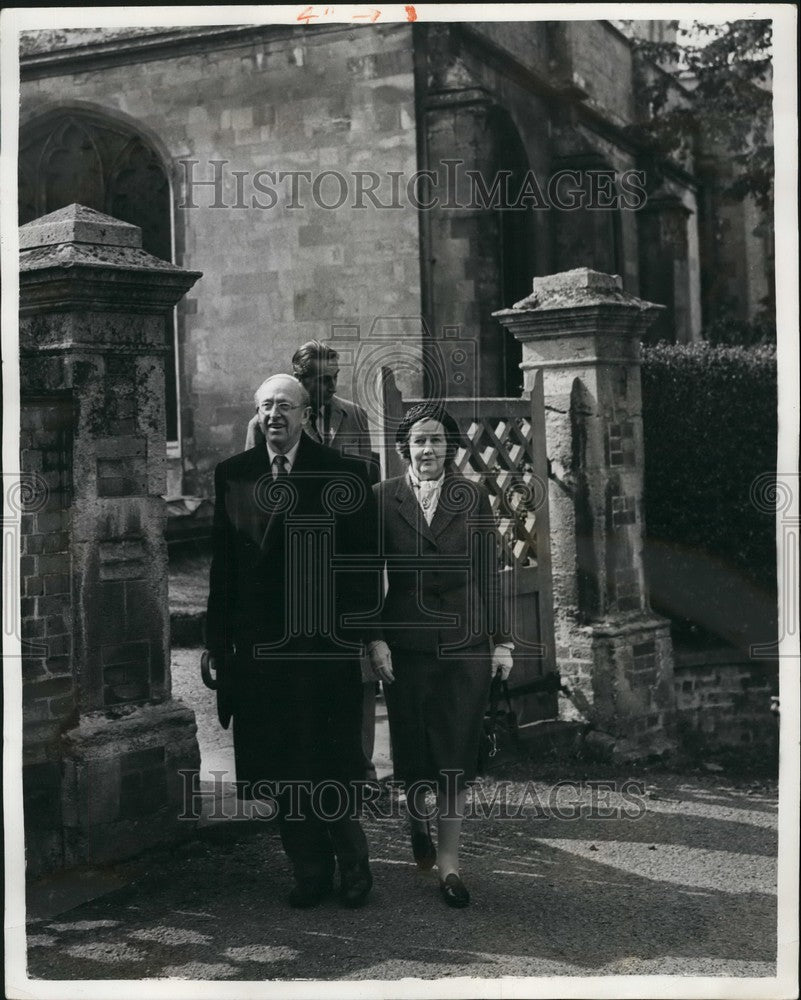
[[676, 891], [667, 875]]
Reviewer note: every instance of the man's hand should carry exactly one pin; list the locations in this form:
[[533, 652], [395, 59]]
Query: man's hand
[[217, 670], [502, 661], [381, 661]]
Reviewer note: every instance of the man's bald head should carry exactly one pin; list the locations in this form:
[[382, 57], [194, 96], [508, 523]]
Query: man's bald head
[[291, 384], [282, 405]]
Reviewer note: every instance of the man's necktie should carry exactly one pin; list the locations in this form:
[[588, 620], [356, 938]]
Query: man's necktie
[[279, 464]]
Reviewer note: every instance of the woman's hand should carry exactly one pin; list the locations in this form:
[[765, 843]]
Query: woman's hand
[[502, 661], [381, 661]]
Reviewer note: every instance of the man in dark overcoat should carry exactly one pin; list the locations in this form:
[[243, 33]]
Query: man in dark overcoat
[[342, 425], [294, 525]]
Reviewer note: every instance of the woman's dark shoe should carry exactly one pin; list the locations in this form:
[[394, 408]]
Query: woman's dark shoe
[[425, 854], [454, 891]]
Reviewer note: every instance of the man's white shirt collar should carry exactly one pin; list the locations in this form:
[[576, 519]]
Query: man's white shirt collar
[[290, 456]]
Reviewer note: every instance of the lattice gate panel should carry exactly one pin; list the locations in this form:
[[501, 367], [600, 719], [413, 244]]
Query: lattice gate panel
[[499, 453]]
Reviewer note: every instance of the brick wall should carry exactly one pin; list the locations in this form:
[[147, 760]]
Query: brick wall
[[48, 692], [45, 566], [724, 701]]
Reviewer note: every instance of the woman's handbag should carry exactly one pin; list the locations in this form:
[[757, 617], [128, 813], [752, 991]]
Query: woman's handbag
[[500, 725]]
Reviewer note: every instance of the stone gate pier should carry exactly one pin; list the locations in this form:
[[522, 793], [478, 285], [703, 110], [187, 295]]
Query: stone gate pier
[[103, 741], [582, 332]]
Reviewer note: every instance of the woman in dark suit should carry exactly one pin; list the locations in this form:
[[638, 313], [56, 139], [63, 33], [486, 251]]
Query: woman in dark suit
[[441, 619]]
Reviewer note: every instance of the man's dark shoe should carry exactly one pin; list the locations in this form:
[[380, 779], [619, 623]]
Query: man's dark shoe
[[355, 884], [309, 892]]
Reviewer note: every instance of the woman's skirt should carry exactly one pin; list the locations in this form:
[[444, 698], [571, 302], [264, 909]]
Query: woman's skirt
[[436, 710]]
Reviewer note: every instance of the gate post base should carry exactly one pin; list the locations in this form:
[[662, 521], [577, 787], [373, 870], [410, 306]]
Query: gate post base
[[620, 675], [122, 789]]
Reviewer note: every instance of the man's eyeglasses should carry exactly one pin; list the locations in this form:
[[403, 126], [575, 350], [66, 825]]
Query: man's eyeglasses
[[269, 404]]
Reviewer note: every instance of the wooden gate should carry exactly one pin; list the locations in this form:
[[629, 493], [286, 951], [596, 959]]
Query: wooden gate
[[504, 449]]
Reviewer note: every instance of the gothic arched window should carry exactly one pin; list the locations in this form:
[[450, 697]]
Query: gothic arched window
[[72, 156]]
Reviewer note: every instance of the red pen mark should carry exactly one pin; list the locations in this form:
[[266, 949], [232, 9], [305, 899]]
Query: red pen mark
[[411, 13], [372, 16], [307, 15]]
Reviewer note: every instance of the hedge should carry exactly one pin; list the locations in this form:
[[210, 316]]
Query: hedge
[[710, 429]]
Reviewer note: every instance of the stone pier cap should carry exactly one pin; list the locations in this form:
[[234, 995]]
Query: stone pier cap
[[97, 249], [579, 288]]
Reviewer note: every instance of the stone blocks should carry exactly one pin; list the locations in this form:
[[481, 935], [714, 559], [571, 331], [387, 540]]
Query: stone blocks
[[122, 789], [723, 700], [633, 679]]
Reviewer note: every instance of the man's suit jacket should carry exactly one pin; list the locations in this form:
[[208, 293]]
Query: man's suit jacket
[[444, 588], [275, 619], [349, 429]]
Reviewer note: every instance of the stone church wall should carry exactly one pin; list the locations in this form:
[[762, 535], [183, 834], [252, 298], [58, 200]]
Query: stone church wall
[[273, 277]]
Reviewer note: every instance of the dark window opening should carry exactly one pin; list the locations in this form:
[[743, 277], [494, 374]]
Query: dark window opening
[[77, 157], [516, 241]]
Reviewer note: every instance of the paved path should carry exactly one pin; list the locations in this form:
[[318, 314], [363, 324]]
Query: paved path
[[685, 884]]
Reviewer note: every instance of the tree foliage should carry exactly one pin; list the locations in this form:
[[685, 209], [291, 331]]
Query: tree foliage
[[708, 93]]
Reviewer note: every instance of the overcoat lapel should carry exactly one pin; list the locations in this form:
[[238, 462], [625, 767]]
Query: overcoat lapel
[[244, 509], [451, 502], [409, 509], [335, 417]]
